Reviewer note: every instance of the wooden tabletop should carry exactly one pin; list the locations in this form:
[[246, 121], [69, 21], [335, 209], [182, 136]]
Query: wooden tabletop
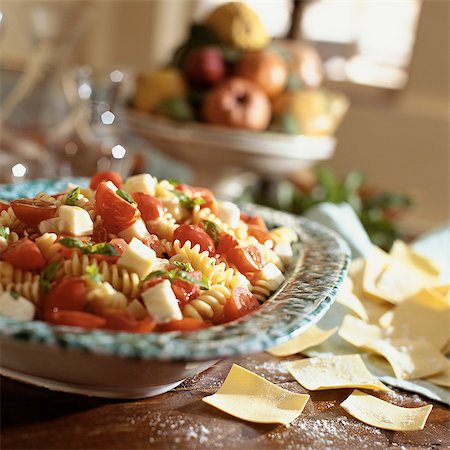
[[34, 418]]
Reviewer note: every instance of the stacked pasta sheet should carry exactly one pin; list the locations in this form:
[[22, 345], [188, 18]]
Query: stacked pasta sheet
[[137, 255]]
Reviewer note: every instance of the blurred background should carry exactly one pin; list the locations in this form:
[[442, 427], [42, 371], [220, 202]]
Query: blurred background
[[364, 118]]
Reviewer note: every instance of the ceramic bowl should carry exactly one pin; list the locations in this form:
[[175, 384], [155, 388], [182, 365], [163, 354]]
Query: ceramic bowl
[[125, 365]]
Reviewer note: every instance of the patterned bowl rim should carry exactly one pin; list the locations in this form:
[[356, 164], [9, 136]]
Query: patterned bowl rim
[[312, 281]]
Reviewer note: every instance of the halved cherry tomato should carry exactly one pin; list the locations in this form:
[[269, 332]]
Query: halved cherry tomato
[[254, 220], [120, 244], [4, 205], [150, 207], [32, 211], [117, 213], [155, 244], [195, 235], [185, 291], [124, 321], [24, 254], [185, 324], [68, 294], [105, 176], [261, 235], [246, 259], [226, 242], [75, 319], [241, 302]]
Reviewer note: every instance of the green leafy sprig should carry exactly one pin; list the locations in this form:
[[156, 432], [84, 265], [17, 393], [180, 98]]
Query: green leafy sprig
[[102, 248], [178, 274], [48, 276], [4, 232], [72, 197], [213, 230]]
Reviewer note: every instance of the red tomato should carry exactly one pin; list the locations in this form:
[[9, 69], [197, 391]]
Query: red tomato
[[185, 291], [75, 319], [117, 213], [241, 302], [246, 259], [261, 235], [254, 220], [195, 235], [31, 211], [152, 282], [105, 176], [155, 244], [185, 324], [124, 321], [4, 205], [67, 251], [24, 254], [150, 207], [68, 294], [226, 242], [120, 244]]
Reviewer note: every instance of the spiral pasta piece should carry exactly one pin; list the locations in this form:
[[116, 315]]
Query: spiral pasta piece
[[164, 227], [9, 219], [28, 289], [49, 247], [283, 235], [163, 189], [47, 198], [262, 289], [14, 275], [209, 305]]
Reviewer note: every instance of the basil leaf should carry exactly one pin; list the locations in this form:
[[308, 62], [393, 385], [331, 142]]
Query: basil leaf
[[4, 232], [156, 274], [125, 195], [199, 201], [15, 295], [103, 248], [185, 276], [205, 282], [48, 275], [72, 196], [187, 267], [188, 202], [213, 230], [72, 243], [93, 273], [174, 182]]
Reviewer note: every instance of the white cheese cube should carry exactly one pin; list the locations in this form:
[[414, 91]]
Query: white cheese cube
[[140, 183], [111, 186], [284, 251], [270, 272], [161, 302], [244, 281], [137, 258], [229, 213], [49, 226], [137, 230], [160, 264], [75, 221], [19, 308]]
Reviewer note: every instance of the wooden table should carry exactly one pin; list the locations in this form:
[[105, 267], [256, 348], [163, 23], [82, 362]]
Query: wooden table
[[37, 418]]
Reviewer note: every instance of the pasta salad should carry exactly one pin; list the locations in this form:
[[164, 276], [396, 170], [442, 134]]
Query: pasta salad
[[137, 255]]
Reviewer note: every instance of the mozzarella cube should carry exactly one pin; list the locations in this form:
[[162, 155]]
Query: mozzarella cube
[[137, 258], [160, 264], [75, 221], [161, 302], [19, 308], [140, 183], [284, 251], [137, 230], [229, 213], [244, 281], [49, 226], [111, 186], [271, 272]]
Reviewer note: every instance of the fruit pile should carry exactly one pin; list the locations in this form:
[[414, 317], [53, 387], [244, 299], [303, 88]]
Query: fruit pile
[[229, 73]]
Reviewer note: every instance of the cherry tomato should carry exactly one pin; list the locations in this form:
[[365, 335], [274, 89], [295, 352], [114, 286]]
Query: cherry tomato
[[4, 205], [67, 251], [68, 294], [124, 321], [75, 319], [117, 213], [261, 235], [257, 221], [31, 211], [150, 207], [155, 244], [246, 259], [185, 324], [185, 291], [195, 235], [120, 244], [226, 242], [241, 302], [105, 176], [24, 254]]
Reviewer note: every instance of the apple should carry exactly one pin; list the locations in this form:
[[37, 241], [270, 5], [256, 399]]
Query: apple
[[265, 68], [205, 66], [237, 103]]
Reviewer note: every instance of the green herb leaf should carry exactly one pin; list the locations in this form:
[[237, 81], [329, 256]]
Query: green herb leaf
[[72, 196], [93, 273], [187, 267], [188, 202], [4, 232], [125, 195], [15, 295], [185, 276], [174, 182], [72, 243], [213, 230], [205, 282], [156, 274], [103, 248], [48, 275]]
